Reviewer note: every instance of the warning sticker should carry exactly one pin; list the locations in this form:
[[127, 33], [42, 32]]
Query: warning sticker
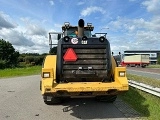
[[74, 40]]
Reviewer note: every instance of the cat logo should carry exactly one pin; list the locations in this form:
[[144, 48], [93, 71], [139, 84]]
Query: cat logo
[[84, 41]]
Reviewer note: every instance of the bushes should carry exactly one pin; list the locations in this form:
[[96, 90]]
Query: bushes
[[2, 64], [30, 60]]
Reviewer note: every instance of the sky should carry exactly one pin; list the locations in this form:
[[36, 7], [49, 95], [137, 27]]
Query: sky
[[129, 24]]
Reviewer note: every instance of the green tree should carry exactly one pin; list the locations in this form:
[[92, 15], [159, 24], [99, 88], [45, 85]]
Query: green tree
[[8, 55], [158, 61], [2, 64], [53, 50]]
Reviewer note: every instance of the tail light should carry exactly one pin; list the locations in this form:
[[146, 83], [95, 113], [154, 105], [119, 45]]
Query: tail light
[[46, 74], [102, 39]]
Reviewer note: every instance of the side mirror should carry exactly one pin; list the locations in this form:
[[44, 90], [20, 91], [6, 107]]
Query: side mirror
[[59, 36]]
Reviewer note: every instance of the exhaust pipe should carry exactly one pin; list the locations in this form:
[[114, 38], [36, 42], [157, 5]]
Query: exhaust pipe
[[80, 28]]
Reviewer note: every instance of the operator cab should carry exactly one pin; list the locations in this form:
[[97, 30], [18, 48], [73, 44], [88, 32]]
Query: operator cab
[[72, 31]]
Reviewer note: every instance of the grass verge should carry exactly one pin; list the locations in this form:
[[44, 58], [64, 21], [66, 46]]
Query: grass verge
[[20, 71], [146, 104], [153, 66], [146, 80]]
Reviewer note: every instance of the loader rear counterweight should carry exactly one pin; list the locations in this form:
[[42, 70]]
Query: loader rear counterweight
[[83, 66]]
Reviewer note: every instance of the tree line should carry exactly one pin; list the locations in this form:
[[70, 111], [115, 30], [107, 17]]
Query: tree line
[[30, 59], [10, 58]]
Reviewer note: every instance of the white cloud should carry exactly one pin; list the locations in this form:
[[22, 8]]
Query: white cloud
[[25, 43], [33, 49], [134, 33], [130, 25], [15, 37], [147, 37], [92, 9], [40, 40], [28, 37], [152, 6], [51, 2], [34, 29], [5, 21]]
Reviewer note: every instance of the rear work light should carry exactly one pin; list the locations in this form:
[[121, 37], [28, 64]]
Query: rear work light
[[46, 75], [66, 38], [122, 74], [102, 39]]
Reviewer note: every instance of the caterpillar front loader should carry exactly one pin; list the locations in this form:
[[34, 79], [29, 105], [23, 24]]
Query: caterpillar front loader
[[82, 67]]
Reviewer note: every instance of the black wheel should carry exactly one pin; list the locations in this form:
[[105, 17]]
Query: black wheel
[[106, 98], [143, 66], [52, 101]]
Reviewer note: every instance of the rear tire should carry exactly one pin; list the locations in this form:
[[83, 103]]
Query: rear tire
[[106, 98], [143, 66]]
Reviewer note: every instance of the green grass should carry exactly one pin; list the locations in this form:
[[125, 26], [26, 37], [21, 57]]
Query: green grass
[[146, 104], [20, 71], [153, 66], [146, 80]]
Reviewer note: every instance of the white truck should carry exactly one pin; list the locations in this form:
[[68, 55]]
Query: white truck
[[136, 61]]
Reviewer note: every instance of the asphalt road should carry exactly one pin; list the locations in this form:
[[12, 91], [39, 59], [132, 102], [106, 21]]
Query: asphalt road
[[20, 99], [144, 73]]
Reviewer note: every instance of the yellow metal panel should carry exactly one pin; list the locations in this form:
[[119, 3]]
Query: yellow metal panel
[[46, 83], [88, 86], [50, 62], [49, 66], [94, 87], [122, 80], [113, 64]]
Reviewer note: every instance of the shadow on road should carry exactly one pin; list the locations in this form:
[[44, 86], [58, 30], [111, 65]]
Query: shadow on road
[[88, 108]]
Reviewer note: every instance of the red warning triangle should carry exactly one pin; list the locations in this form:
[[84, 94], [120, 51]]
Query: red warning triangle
[[70, 55]]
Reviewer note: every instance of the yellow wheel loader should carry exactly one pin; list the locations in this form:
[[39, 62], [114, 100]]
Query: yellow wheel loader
[[82, 67]]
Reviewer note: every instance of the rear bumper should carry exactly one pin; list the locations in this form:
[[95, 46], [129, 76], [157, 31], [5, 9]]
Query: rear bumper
[[120, 84], [85, 89]]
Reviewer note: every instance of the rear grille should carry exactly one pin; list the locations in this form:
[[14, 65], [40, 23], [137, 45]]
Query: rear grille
[[88, 58]]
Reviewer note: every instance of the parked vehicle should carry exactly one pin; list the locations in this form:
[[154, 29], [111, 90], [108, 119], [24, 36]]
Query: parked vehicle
[[136, 61]]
